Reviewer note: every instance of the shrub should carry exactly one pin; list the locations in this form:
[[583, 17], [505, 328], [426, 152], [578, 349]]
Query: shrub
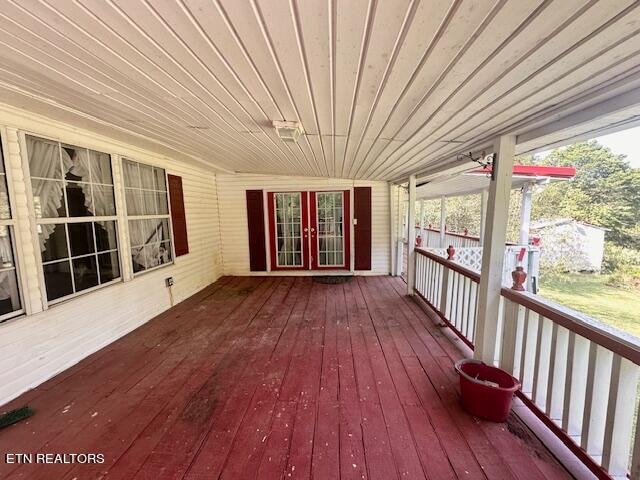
[[622, 265]]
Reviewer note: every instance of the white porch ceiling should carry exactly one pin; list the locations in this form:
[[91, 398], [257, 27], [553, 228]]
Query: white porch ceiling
[[383, 88]]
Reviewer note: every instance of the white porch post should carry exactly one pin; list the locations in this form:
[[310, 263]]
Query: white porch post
[[483, 214], [411, 238], [443, 221], [401, 224], [493, 252], [525, 214], [393, 223], [422, 219]]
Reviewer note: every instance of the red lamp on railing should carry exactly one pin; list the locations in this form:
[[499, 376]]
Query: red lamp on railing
[[519, 276], [451, 252], [418, 240]]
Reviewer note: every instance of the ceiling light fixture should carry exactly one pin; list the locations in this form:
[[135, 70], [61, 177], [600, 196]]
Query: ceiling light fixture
[[288, 131]]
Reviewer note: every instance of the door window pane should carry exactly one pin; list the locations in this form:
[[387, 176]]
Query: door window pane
[[288, 229], [330, 229]]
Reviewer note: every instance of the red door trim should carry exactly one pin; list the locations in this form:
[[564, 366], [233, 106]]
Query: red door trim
[[304, 218]]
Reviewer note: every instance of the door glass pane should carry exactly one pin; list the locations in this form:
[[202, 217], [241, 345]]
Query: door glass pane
[[330, 231], [288, 216]]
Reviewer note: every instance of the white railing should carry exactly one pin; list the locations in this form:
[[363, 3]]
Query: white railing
[[578, 375], [431, 238], [471, 258]]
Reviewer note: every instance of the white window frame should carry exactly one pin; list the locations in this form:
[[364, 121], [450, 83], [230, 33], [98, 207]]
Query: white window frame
[[10, 223], [129, 217], [46, 303]]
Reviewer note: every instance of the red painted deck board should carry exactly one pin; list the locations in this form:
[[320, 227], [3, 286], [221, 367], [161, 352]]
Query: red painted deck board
[[274, 377]]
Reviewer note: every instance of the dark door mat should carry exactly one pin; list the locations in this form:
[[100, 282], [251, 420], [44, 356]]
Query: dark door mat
[[333, 279]]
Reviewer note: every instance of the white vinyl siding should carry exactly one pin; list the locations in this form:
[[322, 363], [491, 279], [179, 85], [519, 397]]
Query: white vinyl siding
[[35, 347], [233, 216]]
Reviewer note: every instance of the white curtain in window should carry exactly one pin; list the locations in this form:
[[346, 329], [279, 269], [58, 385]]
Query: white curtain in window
[[8, 284], [147, 233], [44, 163]]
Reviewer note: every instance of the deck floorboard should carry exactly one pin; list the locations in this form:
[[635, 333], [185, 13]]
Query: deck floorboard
[[274, 377]]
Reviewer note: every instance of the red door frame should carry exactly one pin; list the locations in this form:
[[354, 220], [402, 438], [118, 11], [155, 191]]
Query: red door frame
[[346, 230], [304, 223], [308, 209]]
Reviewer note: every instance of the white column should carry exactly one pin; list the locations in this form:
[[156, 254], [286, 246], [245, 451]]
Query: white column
[[401, 224], [411, 247], [525, 214], [422, 220], [483, 214], [443, 221], [493, 252], [393, 223]]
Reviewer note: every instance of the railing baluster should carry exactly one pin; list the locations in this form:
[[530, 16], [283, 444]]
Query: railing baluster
[[509, 331], [471, 309], [596, 398], [557, 372], [635, 458], [524, 348], [446, 290], [618, 430], [465, 305], [550, 372], [538, 354]]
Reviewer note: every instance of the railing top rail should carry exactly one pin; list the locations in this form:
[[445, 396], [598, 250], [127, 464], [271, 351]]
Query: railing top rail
[[611, 338], [455, 234], [461, 235], [475, 276]]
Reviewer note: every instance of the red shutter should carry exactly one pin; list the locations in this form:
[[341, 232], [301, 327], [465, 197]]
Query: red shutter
[[178, 219], [255, 220], [362, 231]]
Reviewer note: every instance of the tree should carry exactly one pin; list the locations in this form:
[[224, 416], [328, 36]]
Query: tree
[[605, 191]]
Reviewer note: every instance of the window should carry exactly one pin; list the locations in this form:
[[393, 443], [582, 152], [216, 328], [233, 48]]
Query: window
[[10, 304], [75, 211], [148, 215]]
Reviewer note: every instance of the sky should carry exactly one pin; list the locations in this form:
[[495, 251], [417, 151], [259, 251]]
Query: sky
[[626, 142]]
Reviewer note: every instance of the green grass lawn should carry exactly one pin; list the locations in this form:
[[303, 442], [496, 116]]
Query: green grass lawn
[[589, 294]]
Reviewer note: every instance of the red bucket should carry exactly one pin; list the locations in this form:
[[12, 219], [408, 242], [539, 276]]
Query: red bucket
[[486, 391]]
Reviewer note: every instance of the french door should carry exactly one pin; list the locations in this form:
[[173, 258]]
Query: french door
[[309, 230]]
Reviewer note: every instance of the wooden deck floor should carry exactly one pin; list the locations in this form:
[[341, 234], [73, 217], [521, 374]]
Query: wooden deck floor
[[274, 378]]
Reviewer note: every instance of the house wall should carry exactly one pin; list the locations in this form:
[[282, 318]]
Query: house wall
[[43, 342], [233, 216]]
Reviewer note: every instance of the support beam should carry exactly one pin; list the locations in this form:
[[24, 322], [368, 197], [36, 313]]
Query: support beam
[[525, 214], [443, 221], [411, 237], [493, 252], [401, 232], [393, 224], [422, 222], [484, 196]]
